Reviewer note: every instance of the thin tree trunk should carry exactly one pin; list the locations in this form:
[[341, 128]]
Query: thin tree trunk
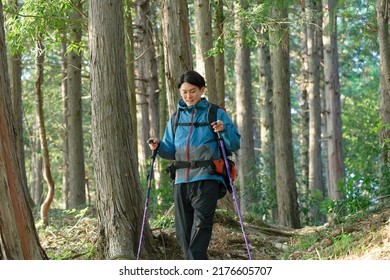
[[152, 89], [219, 61], [77, 196], [303, 181], [40, 57], [163, 109], [267, 127], [219, 58], [65, 144], [36, 164], [246, 158], [142, 68], [316, 185]]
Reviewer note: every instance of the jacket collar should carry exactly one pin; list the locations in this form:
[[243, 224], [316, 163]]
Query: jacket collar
[[202, 104]]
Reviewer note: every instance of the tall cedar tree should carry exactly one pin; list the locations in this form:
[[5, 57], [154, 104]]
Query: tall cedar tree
[[119, 198], [18, 237], [288, 212]]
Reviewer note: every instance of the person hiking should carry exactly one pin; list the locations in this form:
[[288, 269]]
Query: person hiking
[[193, 146]]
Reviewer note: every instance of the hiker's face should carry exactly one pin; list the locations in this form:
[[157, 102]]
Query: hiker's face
[[190, 93]]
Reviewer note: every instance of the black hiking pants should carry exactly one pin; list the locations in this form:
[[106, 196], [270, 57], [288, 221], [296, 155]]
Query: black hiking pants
[[195, 205]]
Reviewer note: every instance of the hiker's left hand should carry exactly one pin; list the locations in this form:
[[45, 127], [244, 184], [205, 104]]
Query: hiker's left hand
[[218, 126]]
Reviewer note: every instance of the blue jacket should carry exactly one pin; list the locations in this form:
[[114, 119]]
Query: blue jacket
[[197, 143]]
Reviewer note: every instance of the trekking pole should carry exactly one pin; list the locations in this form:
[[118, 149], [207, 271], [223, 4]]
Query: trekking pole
[[234, 194], [150, 178]]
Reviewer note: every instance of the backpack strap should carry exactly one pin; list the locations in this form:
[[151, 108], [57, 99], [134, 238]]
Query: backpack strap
[[175, 121], [193, 164], [212, 117]]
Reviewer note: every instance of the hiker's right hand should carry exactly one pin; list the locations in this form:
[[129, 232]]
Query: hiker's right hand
[[153, 143]]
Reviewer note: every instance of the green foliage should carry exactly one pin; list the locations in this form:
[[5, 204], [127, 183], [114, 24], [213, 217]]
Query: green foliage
[[35, 18], [263, 196], [310, 207], [163, 221], [306, 242], [342, 244], [161, 199], [359, 194]]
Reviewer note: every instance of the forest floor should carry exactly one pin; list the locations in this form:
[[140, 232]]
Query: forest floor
[[72, 235]]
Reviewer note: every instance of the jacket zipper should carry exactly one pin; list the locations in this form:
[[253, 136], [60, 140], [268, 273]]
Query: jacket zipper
[[188, 144]]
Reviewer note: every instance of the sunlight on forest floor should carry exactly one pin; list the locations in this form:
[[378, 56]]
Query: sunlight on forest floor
[[72, 235]]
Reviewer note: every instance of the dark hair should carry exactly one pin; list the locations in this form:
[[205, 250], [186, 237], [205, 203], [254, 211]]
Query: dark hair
[[193, 78]]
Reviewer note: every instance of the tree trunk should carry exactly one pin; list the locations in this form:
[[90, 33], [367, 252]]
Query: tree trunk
[[164, 114], [65, 114], [333, 105], [152, 89], [145, 78], [204, 43], [316, 185], [119, 198], [15, 69], [39, 60], [267, 128], [288, 212], [18, 236], [246, 159], [303, 181], [219, 61], [177, 47], [384, 47], [36, 164], [77, 195], [219, 58], [129, 42]]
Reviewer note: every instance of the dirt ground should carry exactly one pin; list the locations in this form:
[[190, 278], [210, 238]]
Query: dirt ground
[[362, 236]]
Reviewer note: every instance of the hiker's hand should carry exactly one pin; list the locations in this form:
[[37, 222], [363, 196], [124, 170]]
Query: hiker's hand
[[153, 143], [218, 126]]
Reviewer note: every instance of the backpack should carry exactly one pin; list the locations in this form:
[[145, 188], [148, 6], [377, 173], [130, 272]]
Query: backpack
[[218, 166]]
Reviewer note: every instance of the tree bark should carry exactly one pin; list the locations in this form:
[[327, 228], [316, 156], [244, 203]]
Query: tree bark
[[384, 47], [119, 198], [146, 80], [203, 44], [129, 43], [65, 114], [303, 181], [77, 196], [15, 69], [219, 58], [333, 135], [267, 127], [288, 212], [18, 236], [39, 60], [243, 90], [316, 185], [177, 46]]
